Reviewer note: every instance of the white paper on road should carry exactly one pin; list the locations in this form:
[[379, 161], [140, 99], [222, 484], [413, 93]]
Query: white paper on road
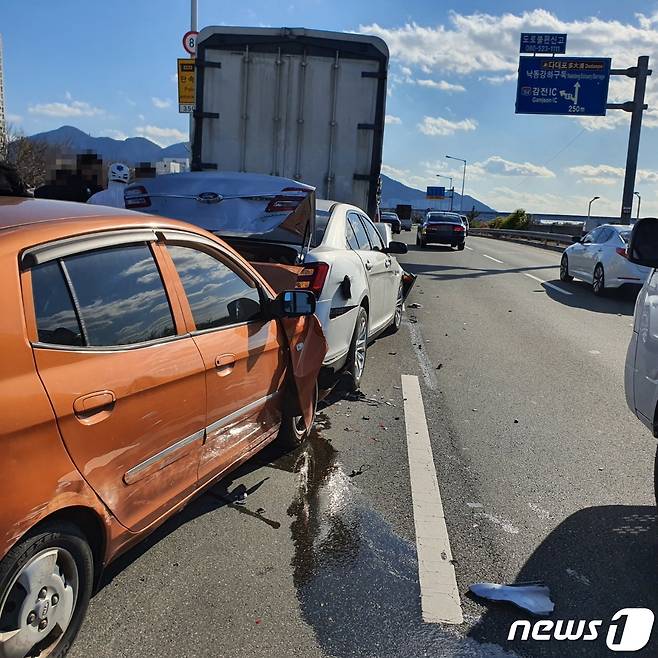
[[534, 597]]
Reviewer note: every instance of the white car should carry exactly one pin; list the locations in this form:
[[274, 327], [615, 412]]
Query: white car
[[336, 251], [600, 258]]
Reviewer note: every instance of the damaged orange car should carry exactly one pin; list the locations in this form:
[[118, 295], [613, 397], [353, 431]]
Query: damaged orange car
[[143, 359]]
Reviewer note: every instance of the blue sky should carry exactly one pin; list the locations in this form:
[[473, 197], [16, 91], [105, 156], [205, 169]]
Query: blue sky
[[108, 68]]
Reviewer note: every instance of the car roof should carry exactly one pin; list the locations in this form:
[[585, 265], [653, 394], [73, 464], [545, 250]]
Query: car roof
[[22, 211]]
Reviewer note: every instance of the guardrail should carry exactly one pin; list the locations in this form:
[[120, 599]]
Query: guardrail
[[524, 236]]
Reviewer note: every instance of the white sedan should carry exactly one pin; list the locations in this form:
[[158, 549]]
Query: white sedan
[[600, 258], [364, 291]]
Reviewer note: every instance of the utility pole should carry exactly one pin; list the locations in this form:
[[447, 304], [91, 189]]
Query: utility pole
[[461, 200], [636, 107]]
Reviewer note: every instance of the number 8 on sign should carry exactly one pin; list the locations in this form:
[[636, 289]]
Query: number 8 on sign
[[189, 42]]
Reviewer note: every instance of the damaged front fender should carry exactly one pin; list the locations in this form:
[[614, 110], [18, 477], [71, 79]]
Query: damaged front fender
[[307, 348]]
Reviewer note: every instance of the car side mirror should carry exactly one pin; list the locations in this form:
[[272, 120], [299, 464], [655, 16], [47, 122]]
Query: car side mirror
[[576, 239], [293, 304], [643, 247], [395, 247]]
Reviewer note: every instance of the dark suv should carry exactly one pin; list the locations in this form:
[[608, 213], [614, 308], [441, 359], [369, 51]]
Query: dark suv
[[441, 228]]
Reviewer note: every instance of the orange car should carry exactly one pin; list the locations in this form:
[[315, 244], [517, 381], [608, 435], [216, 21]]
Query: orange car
[[143, 359]]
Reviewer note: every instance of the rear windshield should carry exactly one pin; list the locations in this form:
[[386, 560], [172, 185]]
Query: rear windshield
[[321, 221], [390, 215], [443, 219]]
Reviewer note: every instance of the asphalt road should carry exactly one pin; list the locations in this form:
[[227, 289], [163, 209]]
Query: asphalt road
[[543, 472]]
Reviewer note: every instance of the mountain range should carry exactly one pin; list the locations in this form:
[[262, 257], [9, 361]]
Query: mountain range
[[134, 150]]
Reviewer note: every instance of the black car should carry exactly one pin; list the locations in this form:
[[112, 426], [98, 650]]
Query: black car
[[441, 228], [392, 219]]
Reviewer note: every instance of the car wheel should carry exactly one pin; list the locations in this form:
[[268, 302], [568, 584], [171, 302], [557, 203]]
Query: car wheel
[[293, 432], [564, 269], [598, 282], [460, 247], [397, 316], [356, 360], [46, 581]]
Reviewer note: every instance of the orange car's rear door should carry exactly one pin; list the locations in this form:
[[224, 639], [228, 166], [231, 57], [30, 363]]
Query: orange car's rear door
[[125, 381]]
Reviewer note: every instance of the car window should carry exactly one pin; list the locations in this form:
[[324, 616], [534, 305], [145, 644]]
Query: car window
[[120, 296], [57, 322], [218, 296], [321, 223], [373, 234], [350, 237], [625, 236], [606, 234], [592, 236], [359, 232]]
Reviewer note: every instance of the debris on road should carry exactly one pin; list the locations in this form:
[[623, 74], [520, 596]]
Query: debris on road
[[392, 353], [365, 417], [533, 597], [516, 420], [439, 366], [415, 305], [473, 505], [360, 471]]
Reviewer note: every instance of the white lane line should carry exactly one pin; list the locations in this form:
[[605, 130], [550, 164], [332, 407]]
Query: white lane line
[[469, 248], [548, 285], [440, 602], [493, 259]]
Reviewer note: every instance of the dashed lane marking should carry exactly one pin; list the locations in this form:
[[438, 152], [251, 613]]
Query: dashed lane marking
[[469, 248], [493, 259], [440, 602], [548, 285]]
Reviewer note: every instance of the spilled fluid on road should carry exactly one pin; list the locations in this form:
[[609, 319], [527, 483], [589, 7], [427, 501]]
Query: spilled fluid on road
[[356, 580]]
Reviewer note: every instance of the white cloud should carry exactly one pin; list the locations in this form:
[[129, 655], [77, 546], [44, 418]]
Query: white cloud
[[498, 79], [610, 175], [114, 134], [441, 126], [392, 120], [71, 108], [13, 118], [161, 103], [497, 166], [506, 199], [162, 136], [440, 84]]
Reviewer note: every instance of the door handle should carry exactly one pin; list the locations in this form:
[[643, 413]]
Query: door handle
[[93, 402], [224, 363], [368, 265]]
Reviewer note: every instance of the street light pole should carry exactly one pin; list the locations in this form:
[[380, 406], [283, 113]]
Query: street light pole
[[639, 202], [589, 212], [461, 200], [452, 189], [193, 27]]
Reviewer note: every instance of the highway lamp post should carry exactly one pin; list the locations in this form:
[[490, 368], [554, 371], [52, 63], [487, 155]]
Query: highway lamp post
[[639, 202], [452, 189], [461, 200], [589, 211], [193, 28]]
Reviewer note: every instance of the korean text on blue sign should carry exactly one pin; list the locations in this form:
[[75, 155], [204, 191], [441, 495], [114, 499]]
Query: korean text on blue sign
[[576, 86], [436, 192], [551, 44]]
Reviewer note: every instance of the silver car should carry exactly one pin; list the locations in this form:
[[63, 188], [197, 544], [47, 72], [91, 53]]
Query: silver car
[[600, 258]]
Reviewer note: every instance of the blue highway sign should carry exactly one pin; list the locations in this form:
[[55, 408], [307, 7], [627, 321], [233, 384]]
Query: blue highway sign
[[575, 86], [551, 44], [436, 192]]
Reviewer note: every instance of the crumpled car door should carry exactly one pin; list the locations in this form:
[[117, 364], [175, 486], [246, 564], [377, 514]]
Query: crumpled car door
[[308, 348]]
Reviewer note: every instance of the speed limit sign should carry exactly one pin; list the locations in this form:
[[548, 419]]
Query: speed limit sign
[[189, 42]]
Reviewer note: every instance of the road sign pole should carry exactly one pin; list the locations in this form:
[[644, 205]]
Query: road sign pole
[[640, 73], [193, 28]]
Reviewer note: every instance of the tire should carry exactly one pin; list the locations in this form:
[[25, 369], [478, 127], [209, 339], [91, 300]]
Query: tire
[[394, 327], [423, 244], [460, 247], [66, 573], [356, 359], [293, 432], [598, 281], [564, 269]]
